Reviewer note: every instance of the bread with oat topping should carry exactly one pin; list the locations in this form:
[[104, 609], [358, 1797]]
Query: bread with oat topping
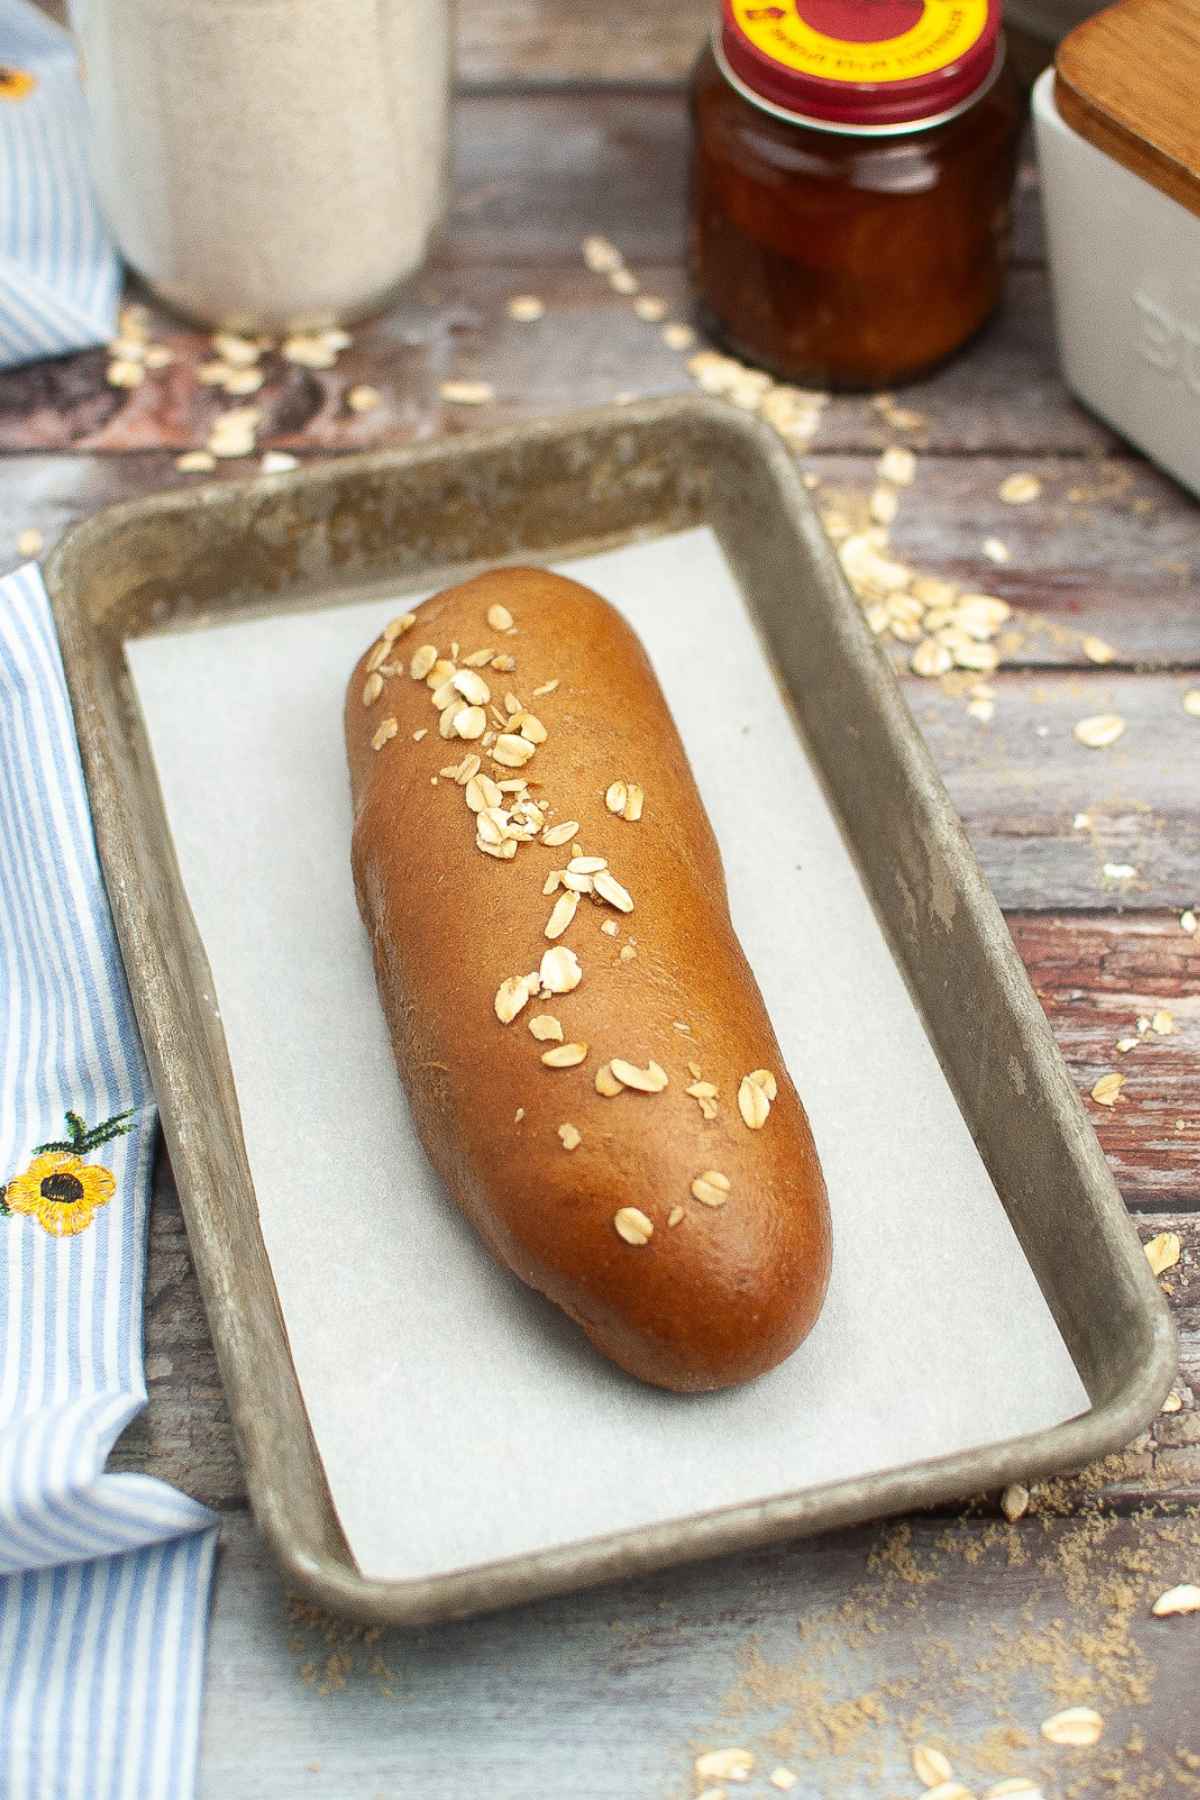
[[587, 1056]]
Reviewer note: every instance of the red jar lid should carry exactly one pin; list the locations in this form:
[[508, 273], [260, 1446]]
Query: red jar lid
[[862, 63]]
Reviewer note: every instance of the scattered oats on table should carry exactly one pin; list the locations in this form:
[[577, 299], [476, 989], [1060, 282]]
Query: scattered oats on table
[[650, 307], [1097, 651], [278, 462], [124, 373], [1077, 1727], [733, 1764], [1019, 488], [362, 398], [526, 309], [930, 1766], [1014, 1501], [30, 542], [884, 504], [1163, 1251], [1191, 703], [1182, 1599], [678, 336], [623, 281], [309, 350], [232, 348], [571, 1137], [196, 462], [900, 418], [930, 659], [897, 465], [243, 381], [996, 550], [467, 393], [1099, 730], [1107, 1090], [601, 256]]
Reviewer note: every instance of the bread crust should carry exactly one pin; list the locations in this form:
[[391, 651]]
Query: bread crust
[[728, 1291]]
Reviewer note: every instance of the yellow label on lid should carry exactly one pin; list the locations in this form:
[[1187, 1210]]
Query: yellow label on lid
[[907, 38]]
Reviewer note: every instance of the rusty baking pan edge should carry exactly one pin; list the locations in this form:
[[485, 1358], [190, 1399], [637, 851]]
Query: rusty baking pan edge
[[545, 491]]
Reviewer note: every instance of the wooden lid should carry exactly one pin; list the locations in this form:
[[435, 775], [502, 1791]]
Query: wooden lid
[[1128, 80]]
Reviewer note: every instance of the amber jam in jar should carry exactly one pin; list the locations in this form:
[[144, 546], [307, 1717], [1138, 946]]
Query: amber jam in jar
[[851, 183]]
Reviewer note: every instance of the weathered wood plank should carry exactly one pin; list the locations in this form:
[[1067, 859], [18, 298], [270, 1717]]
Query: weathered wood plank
[[1021, 781], [1003, 396], [1121, 568], [554, 41], [1097, 977], [1110, 549], [831, 1658]]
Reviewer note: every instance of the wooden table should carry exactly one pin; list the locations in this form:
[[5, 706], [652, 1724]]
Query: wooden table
[[831, 1657]]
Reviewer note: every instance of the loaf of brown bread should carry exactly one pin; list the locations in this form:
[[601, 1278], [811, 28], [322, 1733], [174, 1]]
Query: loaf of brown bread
[[587, 1056]]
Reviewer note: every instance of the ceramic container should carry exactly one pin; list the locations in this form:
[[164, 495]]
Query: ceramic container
[[267, 164], [1119, 150]]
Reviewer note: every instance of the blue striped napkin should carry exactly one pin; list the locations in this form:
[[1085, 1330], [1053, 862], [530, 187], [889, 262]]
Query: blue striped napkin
[[59, 275], [104, 1579]]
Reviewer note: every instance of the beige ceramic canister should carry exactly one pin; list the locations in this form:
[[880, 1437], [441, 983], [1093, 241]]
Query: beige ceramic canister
[[269, 163]]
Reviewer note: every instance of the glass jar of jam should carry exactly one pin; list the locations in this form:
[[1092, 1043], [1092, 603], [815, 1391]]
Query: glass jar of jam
[[851, 183]]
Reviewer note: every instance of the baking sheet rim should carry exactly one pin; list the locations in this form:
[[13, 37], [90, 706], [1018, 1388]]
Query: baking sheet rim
[[336, 1582]]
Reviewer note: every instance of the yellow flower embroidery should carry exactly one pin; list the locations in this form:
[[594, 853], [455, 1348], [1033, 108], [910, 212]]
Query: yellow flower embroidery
[[61, 1192], [15, 83], [59, 1189]]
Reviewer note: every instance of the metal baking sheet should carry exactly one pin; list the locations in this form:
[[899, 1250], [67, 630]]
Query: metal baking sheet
[[616, 477]]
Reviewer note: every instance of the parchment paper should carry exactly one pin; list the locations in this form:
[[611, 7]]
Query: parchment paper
[[459, 1417]]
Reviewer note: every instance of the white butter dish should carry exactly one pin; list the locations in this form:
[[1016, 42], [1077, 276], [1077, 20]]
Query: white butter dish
[[1118, 139]]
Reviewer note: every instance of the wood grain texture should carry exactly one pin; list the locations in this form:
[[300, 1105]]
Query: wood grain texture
[[1109, 88], [1096, 977], [1022, 780], [832, 1658], [1118, 561], [554, 41], [1003, 397]]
